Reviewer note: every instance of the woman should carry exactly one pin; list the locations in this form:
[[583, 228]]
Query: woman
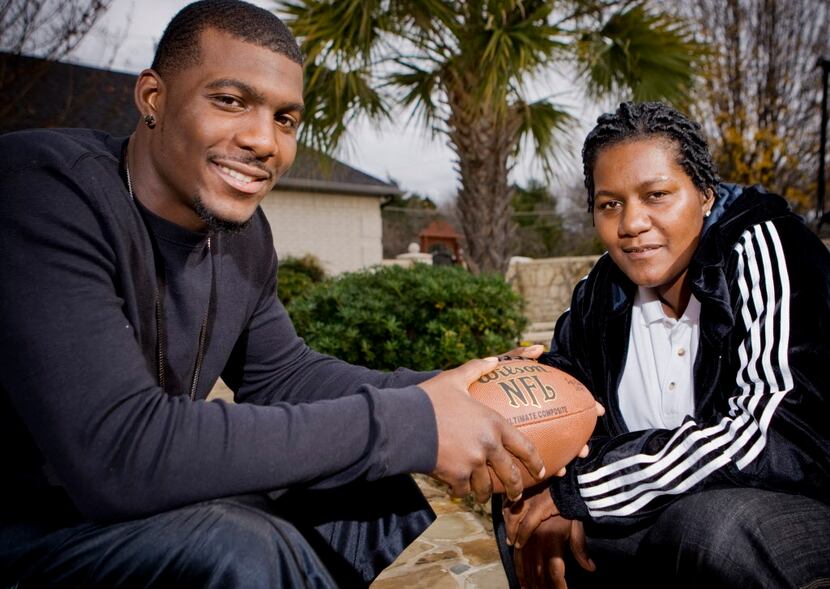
[[704, 331]]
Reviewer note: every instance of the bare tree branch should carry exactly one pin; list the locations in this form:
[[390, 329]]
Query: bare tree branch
[[759, 99]]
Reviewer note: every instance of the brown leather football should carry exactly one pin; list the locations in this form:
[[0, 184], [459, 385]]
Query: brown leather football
[[550, 407]]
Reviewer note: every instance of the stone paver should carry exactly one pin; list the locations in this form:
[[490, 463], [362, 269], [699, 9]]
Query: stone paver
[[456, 551]]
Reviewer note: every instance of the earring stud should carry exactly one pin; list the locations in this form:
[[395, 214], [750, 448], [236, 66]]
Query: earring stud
[[150, 121]]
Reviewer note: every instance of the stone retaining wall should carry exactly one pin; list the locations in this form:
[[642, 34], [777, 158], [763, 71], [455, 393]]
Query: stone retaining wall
[[546, 284]]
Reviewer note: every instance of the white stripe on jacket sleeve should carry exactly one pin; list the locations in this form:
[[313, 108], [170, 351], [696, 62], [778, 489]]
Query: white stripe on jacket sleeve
[[625, 486]]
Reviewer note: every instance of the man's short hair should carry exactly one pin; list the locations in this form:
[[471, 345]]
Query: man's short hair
[[179, 45]]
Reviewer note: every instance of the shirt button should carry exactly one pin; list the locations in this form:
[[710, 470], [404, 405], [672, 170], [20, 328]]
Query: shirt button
[[681, 351], [671, 386]]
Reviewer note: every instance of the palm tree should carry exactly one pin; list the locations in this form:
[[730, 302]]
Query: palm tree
[[463, 67]]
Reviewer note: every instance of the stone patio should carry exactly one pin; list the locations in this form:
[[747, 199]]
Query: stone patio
[[457, 550]]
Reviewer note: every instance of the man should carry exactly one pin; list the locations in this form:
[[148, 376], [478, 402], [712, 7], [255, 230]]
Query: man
[[135, 273]]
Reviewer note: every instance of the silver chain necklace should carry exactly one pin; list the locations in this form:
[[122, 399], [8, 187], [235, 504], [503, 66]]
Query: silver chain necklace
[[202, 342], [129, 180]]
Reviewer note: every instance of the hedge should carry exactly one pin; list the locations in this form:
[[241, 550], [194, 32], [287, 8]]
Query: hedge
[[424, 317]]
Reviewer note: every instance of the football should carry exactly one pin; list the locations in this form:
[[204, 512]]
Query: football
[[550, 407]]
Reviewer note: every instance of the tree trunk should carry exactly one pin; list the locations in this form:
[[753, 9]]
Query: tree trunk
[[484, 141]]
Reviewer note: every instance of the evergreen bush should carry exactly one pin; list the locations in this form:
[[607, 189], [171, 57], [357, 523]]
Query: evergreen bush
[[297, 275], [424, 317]]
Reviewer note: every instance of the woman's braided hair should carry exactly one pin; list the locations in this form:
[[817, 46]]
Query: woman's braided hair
[[634, 120]]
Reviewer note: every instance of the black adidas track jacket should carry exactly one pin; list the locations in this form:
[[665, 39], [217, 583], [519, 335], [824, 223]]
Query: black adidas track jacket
[[761, 376]]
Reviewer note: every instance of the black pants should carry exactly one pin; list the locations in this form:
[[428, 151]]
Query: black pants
[[725, 538], [323, 539]]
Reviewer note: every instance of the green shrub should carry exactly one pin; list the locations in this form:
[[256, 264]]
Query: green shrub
[[296, 275], [309, 265], [424, 317]]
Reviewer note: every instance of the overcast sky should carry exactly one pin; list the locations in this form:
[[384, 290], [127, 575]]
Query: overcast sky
[[124, 39]]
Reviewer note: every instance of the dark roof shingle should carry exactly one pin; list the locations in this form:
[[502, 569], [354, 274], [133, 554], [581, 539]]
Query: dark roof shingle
[[72, 95]]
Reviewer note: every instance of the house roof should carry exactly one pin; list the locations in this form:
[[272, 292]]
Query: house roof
[[72, 95], [318, 172], [64, 95], [439, 228]]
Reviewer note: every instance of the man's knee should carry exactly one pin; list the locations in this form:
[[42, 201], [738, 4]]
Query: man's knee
[[225, 543], [230, 543], [359, 529]]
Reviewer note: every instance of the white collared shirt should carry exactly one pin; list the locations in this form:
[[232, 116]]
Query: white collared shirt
[[657, 385]]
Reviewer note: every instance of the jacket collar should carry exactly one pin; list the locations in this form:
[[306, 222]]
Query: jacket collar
[[736, 209], [622, 289]]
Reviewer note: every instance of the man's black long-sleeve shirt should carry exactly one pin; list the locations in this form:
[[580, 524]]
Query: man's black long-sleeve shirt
[[81, 338]]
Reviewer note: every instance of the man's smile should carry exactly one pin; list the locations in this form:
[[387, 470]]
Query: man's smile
[[241, 177]]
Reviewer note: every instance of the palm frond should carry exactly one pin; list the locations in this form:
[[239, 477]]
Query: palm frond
[[420, 87], [547, 127], [333, 99], [514, 43], [643, 55], [348, 29], [425, 16]]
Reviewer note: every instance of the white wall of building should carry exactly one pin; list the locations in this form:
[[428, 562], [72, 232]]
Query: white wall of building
[[343, 231]]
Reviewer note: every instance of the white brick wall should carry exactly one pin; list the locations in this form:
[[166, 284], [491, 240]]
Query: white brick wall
[[343, 231]]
